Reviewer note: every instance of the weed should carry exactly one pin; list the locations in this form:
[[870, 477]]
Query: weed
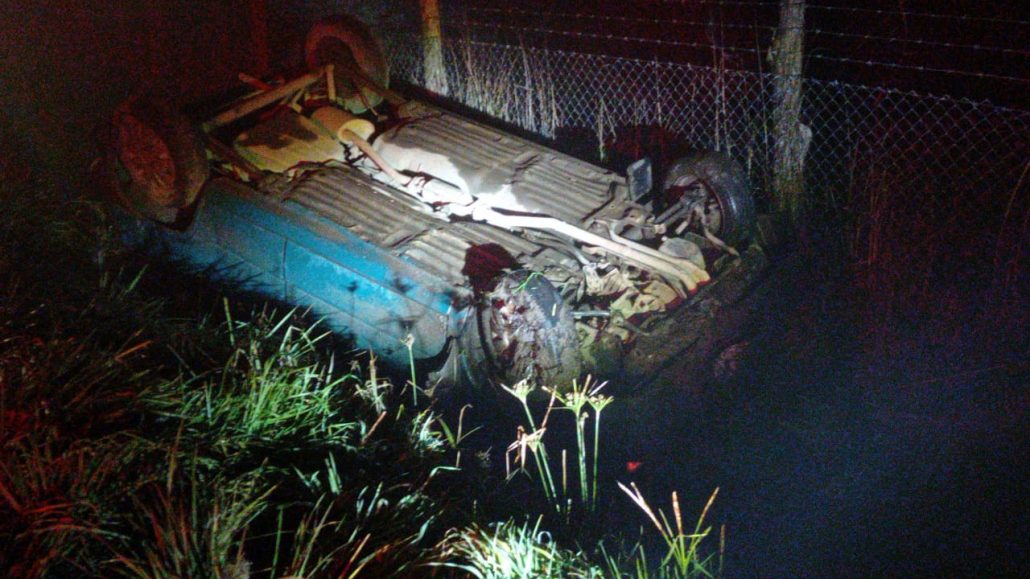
[[532, 442], [508, 550], [682, 558]]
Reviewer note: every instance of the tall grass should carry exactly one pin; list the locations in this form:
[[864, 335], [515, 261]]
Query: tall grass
[[683, 558], [517, 551], [530, 102], [510, 550], [530, 443], [192, 530]]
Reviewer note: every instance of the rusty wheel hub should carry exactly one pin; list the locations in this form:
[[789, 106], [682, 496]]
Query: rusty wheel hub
[[702, 197], [146, 158]]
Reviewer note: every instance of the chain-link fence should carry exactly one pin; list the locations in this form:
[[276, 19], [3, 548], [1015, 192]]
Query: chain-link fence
[[891, 164]]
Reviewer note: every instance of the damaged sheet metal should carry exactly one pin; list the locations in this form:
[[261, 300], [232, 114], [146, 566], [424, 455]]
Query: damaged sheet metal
[[512, 173], [287, 250], [384, 217]]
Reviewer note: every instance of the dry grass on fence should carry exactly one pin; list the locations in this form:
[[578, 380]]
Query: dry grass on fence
[[946, 259], [523, 94]]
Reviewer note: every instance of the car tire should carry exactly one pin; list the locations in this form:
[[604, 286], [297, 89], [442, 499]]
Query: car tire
[[342, 38], [728, 202], [527, 332], [156, 158]]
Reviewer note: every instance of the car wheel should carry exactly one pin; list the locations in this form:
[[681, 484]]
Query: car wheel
[[157, 159], [720, 185], [527, 332], [345, 40]]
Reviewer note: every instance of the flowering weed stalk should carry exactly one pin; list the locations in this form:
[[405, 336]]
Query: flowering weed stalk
[[682, 559], [533, 441]]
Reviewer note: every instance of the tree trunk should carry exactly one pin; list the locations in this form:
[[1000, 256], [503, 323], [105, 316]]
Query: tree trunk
[[791, 137], [434, 72]]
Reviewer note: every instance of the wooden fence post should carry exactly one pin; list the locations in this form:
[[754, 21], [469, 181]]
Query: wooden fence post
[[791, 137], [434, 72]]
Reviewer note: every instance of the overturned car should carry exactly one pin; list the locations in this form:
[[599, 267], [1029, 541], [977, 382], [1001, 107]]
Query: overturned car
[[492, 258]]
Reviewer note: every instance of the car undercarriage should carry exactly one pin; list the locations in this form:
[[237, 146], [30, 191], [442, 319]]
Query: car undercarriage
[[498, 257]]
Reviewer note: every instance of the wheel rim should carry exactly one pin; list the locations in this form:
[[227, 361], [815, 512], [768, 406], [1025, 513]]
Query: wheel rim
[[334, 51], [711, 207], [510, 338], [147, 159], [500, 325]]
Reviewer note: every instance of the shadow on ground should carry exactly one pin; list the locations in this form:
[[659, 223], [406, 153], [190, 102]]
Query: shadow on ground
[[834, 458]]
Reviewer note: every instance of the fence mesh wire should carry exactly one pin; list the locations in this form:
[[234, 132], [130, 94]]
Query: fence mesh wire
[[939, 169]]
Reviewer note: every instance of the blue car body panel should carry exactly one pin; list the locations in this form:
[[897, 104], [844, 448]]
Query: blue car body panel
[[290, 253]]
